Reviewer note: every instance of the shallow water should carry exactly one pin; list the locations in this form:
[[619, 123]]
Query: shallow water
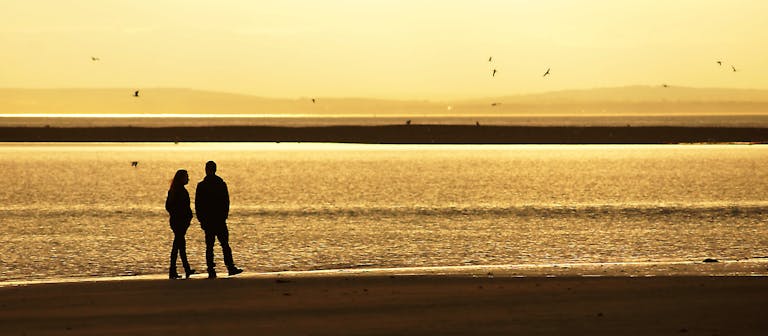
[[71, 210]]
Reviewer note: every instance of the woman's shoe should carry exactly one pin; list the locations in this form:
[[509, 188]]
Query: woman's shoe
[[189, 272]]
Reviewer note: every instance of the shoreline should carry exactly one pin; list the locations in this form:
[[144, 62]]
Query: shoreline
[[395, 134], [747, 267], [391, 304]]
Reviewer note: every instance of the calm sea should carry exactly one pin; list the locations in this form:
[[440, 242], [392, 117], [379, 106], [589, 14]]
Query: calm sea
[[72, 210]]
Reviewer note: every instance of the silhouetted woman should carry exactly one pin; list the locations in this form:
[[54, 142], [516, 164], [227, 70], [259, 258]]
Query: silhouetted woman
[[178, 208]]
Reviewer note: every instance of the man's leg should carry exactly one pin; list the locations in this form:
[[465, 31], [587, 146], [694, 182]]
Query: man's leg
[[223, 236], [210, 238]]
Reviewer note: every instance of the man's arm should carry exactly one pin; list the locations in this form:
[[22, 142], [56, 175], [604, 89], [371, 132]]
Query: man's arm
[[226, 201], [198, 202]]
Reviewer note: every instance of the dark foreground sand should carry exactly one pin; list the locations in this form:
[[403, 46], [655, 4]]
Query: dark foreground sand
[[391, 304], [393, 134]]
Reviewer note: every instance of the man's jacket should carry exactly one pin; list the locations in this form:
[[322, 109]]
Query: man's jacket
[[212, 201]]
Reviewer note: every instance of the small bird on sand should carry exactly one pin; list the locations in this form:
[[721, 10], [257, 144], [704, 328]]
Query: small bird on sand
[[665, 85], [546, 73], [408, 122], [495, 104], [95, 58], [136, 93], [313, 100], [720, 63], [134, 163]]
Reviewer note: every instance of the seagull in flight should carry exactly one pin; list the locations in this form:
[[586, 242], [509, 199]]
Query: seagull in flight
[[546, 73], [136, 93]]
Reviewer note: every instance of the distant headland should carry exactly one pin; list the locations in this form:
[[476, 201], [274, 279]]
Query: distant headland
[[634, 100]]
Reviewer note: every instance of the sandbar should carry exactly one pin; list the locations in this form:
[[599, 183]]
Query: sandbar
[[394, 134]]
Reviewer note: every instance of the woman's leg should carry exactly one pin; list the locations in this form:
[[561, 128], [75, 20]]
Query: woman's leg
[[178, 240], [174, 252], [181, 244]]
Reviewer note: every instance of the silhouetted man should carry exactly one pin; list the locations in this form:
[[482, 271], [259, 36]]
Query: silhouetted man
[[212, 208]]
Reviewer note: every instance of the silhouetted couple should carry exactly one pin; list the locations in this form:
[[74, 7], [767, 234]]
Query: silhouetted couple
[[212, 208]]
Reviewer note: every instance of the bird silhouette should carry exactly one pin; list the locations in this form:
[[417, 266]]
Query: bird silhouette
[[136, 93], [494, 73], [734, 68], [495, 104], [720, 63], [313, 100], [95, 58], [490, 58], [665, 85], [134, 163], [546, 73], [408, 122]]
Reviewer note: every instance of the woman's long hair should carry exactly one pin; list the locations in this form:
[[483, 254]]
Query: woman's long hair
[[178, 180]]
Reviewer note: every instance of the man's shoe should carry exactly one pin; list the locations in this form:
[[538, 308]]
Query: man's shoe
[[211, 274], [189, 272], [174, 276], [235, 271]]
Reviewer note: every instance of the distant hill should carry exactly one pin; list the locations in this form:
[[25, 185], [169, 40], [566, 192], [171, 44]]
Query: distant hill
[[610, 101], [636, 100], [174, 101], [642, 94]]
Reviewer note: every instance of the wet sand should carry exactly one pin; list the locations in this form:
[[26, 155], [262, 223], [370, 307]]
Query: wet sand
[[394, 134], [389, 304]]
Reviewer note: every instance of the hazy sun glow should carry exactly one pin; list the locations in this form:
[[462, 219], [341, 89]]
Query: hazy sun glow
[[384, 49]]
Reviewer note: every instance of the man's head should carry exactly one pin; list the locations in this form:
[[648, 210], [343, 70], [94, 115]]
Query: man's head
[[210, 168]]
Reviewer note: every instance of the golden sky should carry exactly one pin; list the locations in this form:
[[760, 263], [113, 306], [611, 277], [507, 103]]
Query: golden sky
[[430, 49]]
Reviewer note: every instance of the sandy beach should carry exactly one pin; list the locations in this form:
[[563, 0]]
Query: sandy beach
[[389, 304], [394, 134]]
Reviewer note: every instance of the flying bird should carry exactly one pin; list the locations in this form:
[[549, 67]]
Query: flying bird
[[136, 93], [494, 73], [546, 73], [734, 68], [720, 63]]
